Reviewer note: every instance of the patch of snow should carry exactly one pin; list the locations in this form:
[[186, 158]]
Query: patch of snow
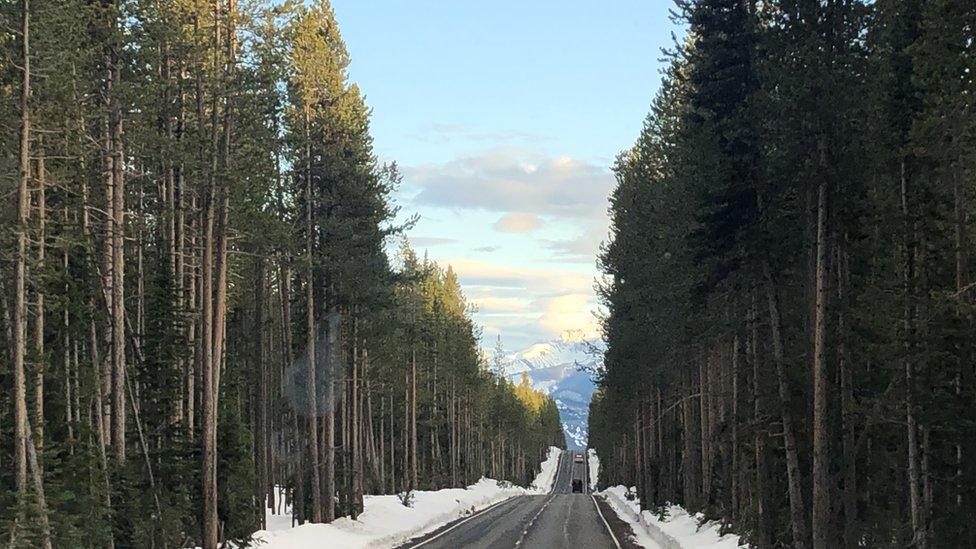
[[593, 462], [538, 351], [547, 472], [678, 529], [566, 351], [386, 522], [575, 434]]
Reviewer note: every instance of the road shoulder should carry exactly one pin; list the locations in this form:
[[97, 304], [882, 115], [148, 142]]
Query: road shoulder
[[620, 529]]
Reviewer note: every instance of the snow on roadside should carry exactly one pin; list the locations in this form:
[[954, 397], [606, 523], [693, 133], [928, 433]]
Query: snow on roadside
[[386, 522], [547, 472], [678, 530], [594, 465]]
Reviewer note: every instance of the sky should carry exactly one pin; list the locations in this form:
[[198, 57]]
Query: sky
[[505, 118]]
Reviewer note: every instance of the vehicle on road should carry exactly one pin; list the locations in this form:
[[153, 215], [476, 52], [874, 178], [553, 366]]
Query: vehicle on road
[[578, 458], [577, 486]]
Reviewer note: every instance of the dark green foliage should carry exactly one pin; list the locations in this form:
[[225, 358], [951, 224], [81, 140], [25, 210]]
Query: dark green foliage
[[194, 124], [714, 229]]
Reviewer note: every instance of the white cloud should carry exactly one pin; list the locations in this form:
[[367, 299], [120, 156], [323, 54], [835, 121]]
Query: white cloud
[[531, 305], [556, 206], [512, 179], [487, 276], [518, 222]]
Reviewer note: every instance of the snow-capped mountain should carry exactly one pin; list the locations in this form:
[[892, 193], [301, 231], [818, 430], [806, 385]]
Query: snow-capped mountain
[[563, 369]]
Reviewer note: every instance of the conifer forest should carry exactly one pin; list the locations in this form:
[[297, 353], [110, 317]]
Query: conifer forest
[[789, 278], [206, 294], [212, 312]]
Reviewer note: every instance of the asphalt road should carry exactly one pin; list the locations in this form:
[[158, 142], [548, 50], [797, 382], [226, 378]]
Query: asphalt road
[[558, 519]]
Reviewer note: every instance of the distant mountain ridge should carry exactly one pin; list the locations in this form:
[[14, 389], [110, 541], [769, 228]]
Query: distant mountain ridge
[[563, 369]]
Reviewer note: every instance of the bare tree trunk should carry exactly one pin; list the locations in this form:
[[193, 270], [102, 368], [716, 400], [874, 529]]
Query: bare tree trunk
[[703, 423], [118, 266], [209, 331], [261, 427], [354, 432], [330, 405], [452, 419], [39, 307], [19, 319], [919, 535], [798, 523], [38, 489], [413, 421], [406, 432], [375, 461], [286, 337], [821, 457], [311, 385], [382, 447], [194, 330], [392, 484], [70, 384], [690, 458], [96, 378]]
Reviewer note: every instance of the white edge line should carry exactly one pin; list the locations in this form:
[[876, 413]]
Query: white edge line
[[459, 523], [605, 523]]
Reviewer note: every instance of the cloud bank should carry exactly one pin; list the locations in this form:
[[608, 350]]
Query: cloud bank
[[513, 180], [540, 285]]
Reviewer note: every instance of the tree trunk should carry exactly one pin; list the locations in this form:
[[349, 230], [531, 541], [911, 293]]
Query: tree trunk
[[821, 441], [38, 489], [703, 426], [311, 384], [406, 432], [413, 421], [798, 523], [210, 332], [354, 428], [19, 319], [261, 427], [330, 406], [763, 507], [690, 457], [118, 266], [914, 474], [39, 307]]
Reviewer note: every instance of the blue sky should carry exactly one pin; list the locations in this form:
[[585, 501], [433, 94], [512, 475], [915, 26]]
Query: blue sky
[[505, 117]]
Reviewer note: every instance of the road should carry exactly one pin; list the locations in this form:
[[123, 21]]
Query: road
[[558, 519]]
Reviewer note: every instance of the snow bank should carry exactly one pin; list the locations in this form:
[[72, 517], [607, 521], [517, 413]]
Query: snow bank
[[678, 530], [594, 465], [386, 522], [547, 472]]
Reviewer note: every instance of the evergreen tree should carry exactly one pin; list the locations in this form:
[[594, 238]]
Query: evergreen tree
[[799, 166], [198, 247]]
